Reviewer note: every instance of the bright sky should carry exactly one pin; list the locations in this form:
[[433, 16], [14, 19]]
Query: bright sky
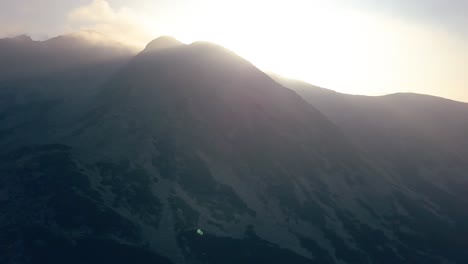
[[352, 46]]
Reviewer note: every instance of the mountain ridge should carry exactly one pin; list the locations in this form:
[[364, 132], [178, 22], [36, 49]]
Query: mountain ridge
[[296, 83]]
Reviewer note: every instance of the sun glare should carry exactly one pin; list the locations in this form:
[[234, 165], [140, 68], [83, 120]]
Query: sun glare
[[327, 44], [304, 39]]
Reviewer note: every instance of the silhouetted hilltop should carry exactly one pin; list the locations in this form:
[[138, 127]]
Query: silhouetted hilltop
[[163, 42], [20, 38]]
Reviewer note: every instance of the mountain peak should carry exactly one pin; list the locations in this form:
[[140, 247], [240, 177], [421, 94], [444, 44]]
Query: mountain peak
[[85, 36], [163, 42], [22, 38], [209, 46], [202, 43]]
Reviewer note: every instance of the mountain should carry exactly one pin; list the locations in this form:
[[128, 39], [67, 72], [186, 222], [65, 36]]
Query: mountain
[[190, 154]]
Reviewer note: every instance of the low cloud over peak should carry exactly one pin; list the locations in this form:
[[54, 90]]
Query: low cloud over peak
[[123, 25]]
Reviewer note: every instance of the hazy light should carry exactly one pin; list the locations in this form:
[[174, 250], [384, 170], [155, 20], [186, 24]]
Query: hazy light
[[327, 43]]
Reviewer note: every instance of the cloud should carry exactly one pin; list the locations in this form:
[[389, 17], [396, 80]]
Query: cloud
[[7, 30], [123, 24]]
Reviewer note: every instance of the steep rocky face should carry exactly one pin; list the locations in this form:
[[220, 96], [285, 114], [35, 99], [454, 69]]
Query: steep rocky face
[[189, 154]]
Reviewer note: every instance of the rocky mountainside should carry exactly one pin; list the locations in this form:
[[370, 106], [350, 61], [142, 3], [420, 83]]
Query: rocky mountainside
[[190, 154]]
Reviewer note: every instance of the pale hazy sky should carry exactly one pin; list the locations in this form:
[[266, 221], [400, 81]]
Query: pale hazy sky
[[352, 46]]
